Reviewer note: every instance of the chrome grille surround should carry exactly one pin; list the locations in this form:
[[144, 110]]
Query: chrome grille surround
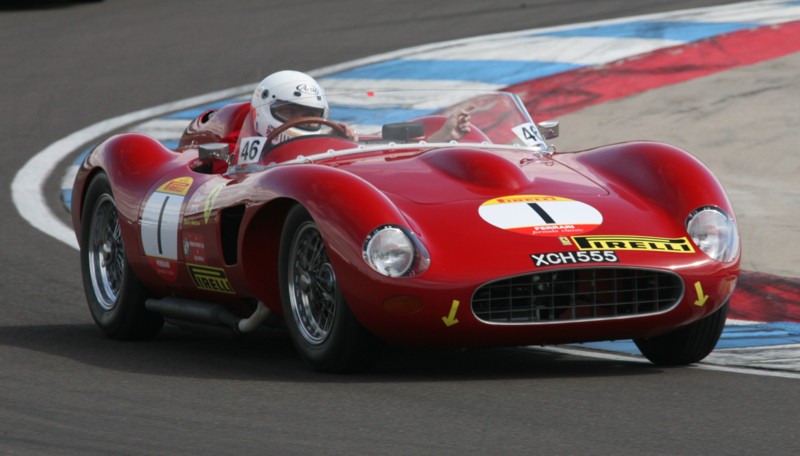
[[580, 294]]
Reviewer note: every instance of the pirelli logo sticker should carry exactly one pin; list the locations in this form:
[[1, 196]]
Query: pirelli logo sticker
[[179, 186], [210, 279], [624, 242]]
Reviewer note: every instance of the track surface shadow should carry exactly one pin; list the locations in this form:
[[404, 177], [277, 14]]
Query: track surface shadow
[[33, 5], [268, 355]]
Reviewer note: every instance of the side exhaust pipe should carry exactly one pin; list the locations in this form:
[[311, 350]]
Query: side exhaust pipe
[[258, 318], [207, 313]]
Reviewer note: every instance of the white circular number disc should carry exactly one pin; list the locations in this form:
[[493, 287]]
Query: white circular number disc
[[541, 215]]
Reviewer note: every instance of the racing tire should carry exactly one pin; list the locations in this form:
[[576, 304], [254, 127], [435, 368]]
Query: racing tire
[[686, 345], [115, 296], [323, 329]]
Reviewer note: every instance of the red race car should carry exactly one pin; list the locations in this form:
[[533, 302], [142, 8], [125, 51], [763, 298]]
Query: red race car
[[491, 240]]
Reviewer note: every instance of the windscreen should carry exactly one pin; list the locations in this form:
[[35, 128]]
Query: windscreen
[[498, 117]]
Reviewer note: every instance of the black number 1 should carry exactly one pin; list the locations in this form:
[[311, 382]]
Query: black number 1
[[544, 215]]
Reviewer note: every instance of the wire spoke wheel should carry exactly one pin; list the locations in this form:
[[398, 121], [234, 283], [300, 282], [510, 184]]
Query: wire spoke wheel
[[115, 296], [106, 253], [323, 328], [312, 285]]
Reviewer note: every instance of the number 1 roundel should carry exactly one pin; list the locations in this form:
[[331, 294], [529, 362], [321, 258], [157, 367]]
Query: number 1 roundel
[[160, 221], [540, 215]]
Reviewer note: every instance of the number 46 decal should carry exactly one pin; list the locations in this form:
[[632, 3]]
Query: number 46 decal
[[250, 149], [530, 135]]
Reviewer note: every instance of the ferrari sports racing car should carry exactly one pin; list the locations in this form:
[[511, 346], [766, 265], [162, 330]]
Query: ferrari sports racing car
[[492, 240]]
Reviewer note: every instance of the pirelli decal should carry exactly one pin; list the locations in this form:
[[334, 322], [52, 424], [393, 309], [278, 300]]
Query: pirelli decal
[[179, 186], [624, 242], [210, 279]]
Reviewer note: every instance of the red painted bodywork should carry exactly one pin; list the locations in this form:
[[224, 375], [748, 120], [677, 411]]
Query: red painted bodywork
[[641, 188]]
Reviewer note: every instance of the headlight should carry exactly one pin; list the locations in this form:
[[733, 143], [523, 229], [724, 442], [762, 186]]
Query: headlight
[[714, 232], [394, 252]]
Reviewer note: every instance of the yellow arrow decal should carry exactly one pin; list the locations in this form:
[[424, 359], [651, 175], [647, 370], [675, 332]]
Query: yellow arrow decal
[[701, 297], [451, 319]]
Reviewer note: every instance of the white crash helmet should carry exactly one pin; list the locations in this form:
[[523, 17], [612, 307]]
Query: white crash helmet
[[292, 92]]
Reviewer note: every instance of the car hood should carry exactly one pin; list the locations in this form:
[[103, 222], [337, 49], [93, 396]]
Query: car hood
[[461, 173]]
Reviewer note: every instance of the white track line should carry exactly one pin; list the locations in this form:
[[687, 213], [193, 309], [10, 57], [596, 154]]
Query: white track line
[[27, 189]]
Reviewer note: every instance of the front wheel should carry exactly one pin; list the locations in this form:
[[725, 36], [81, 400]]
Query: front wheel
[[323, 330], [686, 345], [115, 296]]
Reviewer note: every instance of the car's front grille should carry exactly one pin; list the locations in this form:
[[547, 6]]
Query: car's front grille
[[577, 294]]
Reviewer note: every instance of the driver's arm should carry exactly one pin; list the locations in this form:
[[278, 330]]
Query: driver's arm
[[455, 127]]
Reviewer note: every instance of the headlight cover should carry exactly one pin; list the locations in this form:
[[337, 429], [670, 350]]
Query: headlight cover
[[714, 232], [395, 252]]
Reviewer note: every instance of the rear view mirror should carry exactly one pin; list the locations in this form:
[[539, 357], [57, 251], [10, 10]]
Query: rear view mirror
[[217, 151], [548, 128]]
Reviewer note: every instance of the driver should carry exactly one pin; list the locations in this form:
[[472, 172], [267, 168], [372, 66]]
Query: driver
[[288, 95]]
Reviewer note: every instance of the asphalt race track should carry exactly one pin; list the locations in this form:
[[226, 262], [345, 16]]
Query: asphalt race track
[[65, 389]]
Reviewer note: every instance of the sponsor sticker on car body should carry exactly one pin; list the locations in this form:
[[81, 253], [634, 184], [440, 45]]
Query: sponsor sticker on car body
[[627, 242], [540, 215]]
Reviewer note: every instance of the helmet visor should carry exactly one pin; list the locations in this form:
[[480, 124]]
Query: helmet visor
[[286, 111]]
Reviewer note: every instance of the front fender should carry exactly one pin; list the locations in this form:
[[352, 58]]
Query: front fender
[[345, 207], [130, 160], [667, 176]]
